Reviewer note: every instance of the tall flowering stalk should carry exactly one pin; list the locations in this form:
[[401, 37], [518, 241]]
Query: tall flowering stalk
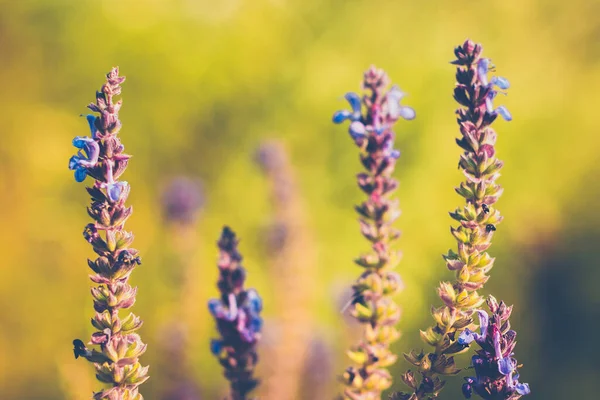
[[477, 222], [102, 158], [291, 262], [495, 367], [373, 304], [237, 313]]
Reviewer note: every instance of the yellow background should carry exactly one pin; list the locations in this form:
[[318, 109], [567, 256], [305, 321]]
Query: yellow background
[[208, 80]]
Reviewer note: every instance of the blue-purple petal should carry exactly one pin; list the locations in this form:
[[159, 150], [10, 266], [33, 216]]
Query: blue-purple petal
[[81, 141], [482, 70], [216, 346], [407, 113], [354, 100], [501, 82], [483, 322], [357, 129], [341, 116], [74, 162], [506, 366], [504, 113], [80, 174], [522, 388], [466, 337]]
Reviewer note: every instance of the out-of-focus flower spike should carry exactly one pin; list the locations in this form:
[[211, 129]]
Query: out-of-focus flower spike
[[372, 131]]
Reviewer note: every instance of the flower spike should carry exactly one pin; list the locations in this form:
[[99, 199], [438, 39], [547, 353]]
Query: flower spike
[[117, 359], [372, 300]]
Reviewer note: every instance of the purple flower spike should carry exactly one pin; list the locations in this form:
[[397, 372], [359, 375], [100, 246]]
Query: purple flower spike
[[117, 345], [372, 119], [496, 369], [236, 313]]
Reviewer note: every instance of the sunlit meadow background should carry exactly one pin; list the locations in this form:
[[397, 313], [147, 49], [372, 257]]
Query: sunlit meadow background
[[207, 81]]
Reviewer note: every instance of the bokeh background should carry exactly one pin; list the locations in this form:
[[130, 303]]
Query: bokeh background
[[208, 82]]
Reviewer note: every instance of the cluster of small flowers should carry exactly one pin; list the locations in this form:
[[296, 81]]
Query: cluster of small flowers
[[237, 314], [374, 289]]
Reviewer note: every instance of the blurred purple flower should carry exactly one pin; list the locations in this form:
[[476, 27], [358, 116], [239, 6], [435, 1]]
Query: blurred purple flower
[[182, 198]]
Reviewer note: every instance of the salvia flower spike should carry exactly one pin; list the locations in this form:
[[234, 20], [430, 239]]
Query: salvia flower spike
[[495, 367], [101, 157], [237, 314], [477, 222], [371, 119]]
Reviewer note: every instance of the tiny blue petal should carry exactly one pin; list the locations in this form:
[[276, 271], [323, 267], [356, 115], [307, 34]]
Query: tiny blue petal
[[214, 307], [216, 346], [354, 100], [254, 301], [81, 141], [502, 83], [504, 113], [522, 388], [395, 154], [341, 116], [74, 162], [506, 366], [256, 324], [466, 337], [80, 174]]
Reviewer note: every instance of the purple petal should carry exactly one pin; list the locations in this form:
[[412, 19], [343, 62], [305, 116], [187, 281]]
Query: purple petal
[[506, 366], [522, 388], [357, 129], [407, 113], [81, 141], [483, 322], [466, 337], [341, 116], [114, 190], [482, 70], [215, 307], [504, 113], [74, 162], [93, 151], [501, 82], [254, 301]]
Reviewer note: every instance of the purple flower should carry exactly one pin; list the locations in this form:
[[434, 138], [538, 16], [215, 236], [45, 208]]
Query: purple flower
[[354, 115], [81, 162], [502, 83], [494, 364], [395, 110]]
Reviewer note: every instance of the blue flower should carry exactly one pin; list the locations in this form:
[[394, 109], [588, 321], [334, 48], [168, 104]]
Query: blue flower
[[254, 301], [81, 162], [467, 336], [395, 110], [216, 346], [483, 67], [354, 115]]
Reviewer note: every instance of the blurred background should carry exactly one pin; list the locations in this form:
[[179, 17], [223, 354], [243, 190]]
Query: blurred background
[[207, 83]]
